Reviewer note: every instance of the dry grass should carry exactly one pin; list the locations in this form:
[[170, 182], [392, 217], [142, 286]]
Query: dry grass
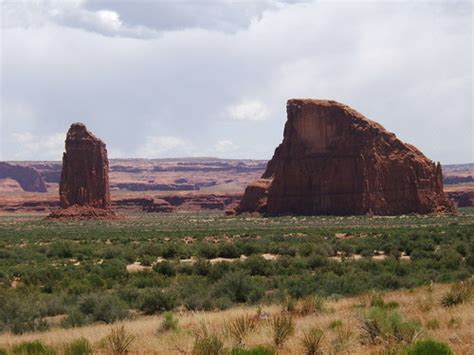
[[456, 326]]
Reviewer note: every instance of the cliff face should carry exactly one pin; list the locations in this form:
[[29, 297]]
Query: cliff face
[[29, 178], [335, 161], [85, 173]]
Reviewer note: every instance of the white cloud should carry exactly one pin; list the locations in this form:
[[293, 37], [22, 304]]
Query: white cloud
[[182, 69], [224, 146], [23, 137], [71, 13], [110, 19], [251, 110], [41, 148], [165, 147]]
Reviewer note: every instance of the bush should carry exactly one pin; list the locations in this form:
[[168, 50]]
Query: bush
[[258, 350], [257, 265], [169, 322], [97, 308], [75, 318], [80, 346], [35, 347], [119, 341], [311, 341], [157, 301], [238, 287], [283, 328], [429, 347], [165, 268], [458, 294], [207, 343], [240, 327]]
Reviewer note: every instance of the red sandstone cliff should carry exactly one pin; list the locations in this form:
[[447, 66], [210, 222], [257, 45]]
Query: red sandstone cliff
[[85, 174], [334, 161]]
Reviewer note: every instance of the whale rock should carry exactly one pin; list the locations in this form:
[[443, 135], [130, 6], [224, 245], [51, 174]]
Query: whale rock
[[335, 161]]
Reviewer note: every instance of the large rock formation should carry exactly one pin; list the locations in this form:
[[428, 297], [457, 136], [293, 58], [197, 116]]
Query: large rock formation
[[84, 187], [334, 161], [28, 177]]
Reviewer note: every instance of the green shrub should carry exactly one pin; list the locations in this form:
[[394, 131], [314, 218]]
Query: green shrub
[[238, 287], [156, 301], [165, 268], [119, 341], [207, 343], [168, 322], [283, 327], [75, 318], [35, 347], [257, 350], [97, 308], [3, 351], [459, 293], [240, 327], [429, 347], [80, 346], [311, 341]]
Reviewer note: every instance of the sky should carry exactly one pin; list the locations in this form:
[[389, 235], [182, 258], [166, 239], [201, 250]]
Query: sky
[[160, 79]]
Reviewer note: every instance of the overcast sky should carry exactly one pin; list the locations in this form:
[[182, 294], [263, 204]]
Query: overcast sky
[[206, 78]]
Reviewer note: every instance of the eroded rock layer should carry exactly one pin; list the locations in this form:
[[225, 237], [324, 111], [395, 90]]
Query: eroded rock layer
[[28, 178], [85, 173], [334, 161]]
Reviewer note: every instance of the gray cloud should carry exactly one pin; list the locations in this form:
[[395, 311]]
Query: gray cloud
[[177, 15], [169, 84]]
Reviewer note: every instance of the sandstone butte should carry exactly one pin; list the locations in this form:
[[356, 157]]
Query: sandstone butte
[[84, 186], [334, 161]]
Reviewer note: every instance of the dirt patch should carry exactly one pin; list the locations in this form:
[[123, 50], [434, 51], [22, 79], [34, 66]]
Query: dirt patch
[[137, 267]]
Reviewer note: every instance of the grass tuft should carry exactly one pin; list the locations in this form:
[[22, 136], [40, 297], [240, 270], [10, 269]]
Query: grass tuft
[[207, 343], [459, 293], [283, 327], [119, 341], [80, 346], [311, 341], [240, 327]]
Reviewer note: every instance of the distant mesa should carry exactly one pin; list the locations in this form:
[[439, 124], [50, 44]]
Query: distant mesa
[[334, 161], [84, 186], [29, 178]]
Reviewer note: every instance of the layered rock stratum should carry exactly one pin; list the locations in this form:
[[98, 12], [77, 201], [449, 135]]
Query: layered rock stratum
[[29, 178], [84, 186], [334, 161]]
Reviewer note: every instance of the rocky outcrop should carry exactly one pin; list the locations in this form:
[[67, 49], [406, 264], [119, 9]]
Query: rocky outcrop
[[255, 198], [462, 198], [147, 186], [84, 185], [334, 161], [29, 178], [85, 174], [159, 205]]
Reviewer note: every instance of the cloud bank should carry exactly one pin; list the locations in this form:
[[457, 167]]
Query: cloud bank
[[182, 78]]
